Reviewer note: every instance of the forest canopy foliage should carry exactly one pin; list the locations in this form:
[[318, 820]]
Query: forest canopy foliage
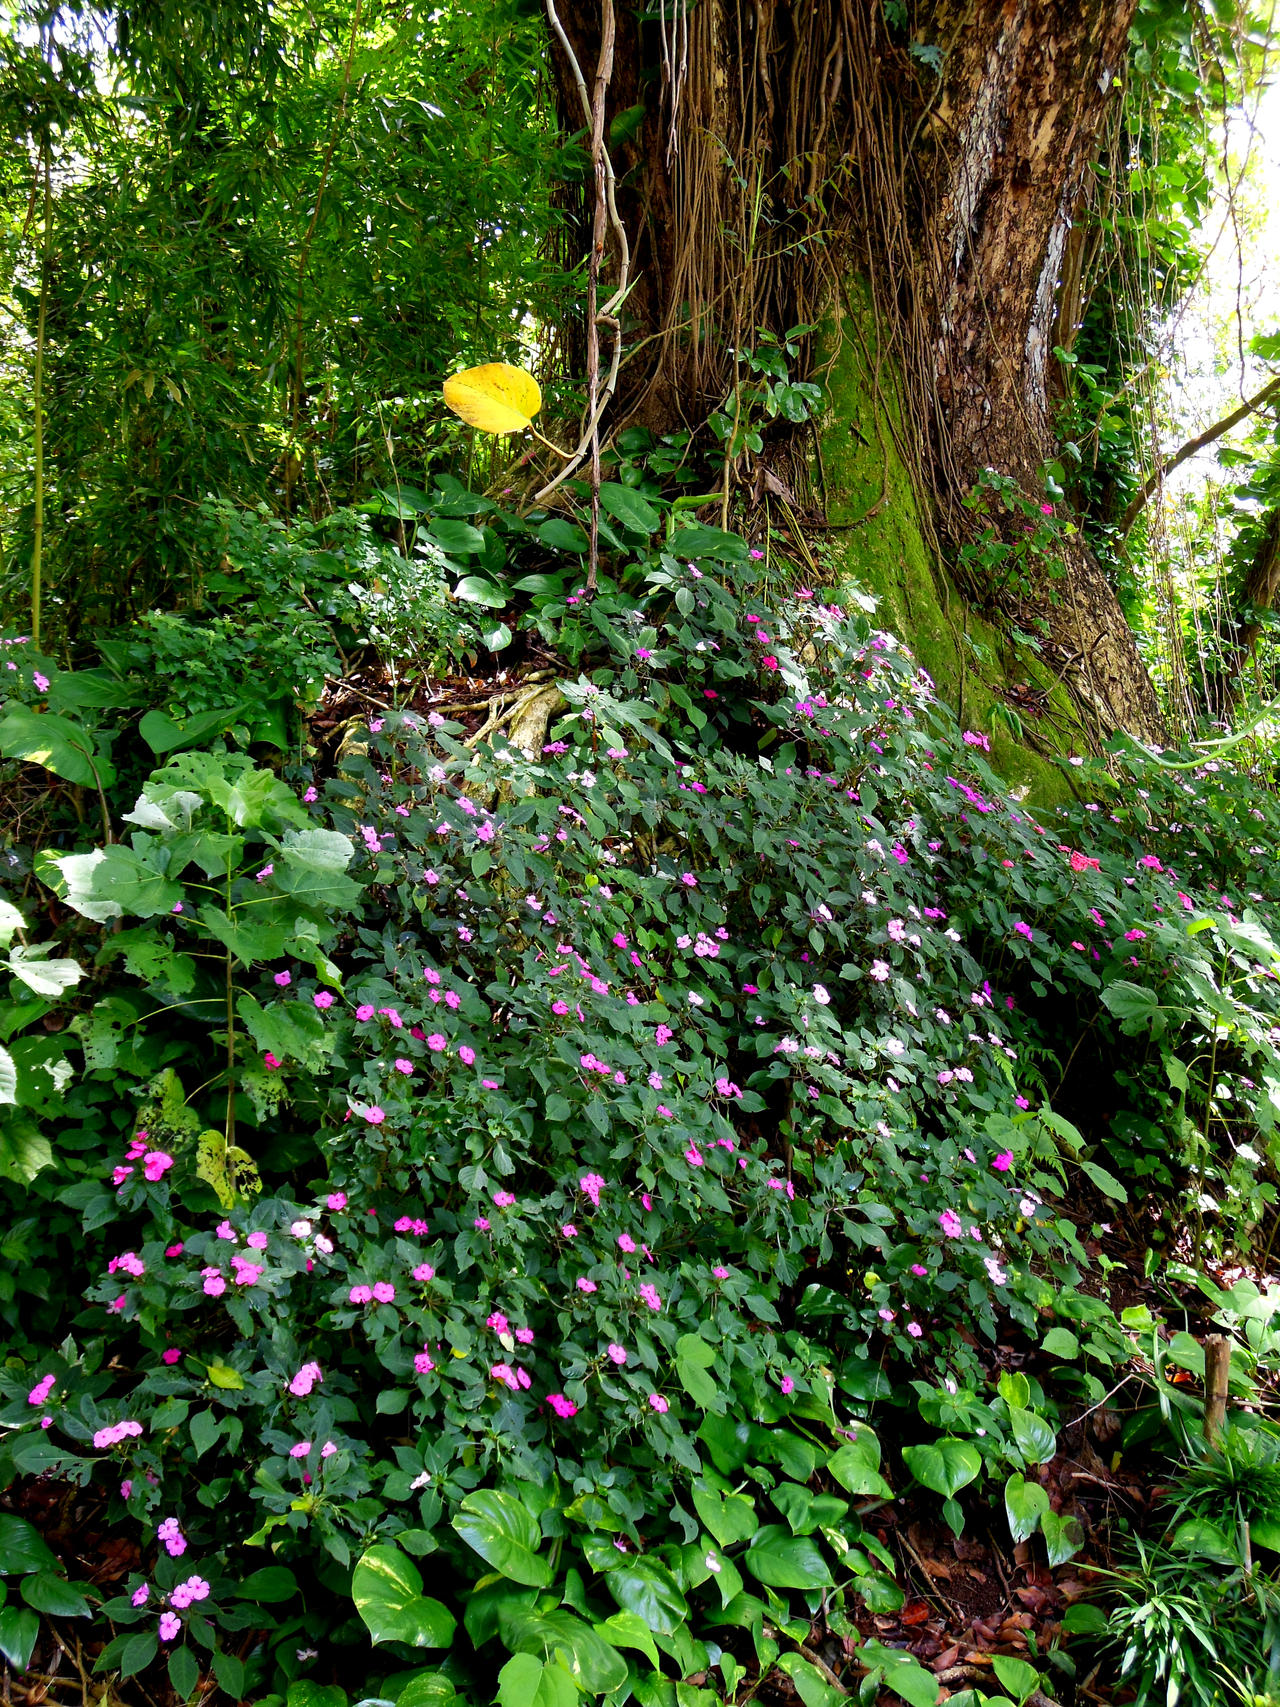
[[567, 1130]]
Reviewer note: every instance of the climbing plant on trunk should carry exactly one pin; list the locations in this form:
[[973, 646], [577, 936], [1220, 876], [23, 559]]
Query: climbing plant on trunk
[[937, 155]]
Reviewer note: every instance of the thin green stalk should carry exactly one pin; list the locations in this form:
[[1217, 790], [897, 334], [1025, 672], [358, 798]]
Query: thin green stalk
[[37, 526]]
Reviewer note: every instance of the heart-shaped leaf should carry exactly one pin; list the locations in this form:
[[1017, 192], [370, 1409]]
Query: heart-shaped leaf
[[945, 1465], [505, 1535], [387, 1590]]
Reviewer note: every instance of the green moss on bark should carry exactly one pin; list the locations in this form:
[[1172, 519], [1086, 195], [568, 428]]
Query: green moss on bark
[[879, 542]]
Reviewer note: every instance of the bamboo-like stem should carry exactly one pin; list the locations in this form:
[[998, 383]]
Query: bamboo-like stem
[[37, 387], [295, 380]]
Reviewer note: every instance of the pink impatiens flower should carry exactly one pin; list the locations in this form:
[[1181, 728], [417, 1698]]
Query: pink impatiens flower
[[305, 1380], [950, 1223], [561, 1406], [175, 1541], [1003, 1162]]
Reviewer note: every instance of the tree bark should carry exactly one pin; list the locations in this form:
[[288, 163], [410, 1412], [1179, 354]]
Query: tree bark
[[804, 142]]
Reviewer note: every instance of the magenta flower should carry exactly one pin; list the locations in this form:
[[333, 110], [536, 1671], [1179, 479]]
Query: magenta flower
[[323, 999], [561, 1406], [1003, 1162], [170, 1626], [175, 1541], [950, 1223], [617, 1354], [41, 1391], [659, 1403]]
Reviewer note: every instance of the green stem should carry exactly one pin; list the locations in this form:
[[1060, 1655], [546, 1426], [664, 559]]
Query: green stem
[[37, 525]]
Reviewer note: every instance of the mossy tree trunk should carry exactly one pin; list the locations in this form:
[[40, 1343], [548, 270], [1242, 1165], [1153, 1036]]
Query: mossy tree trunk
[[939, 153]]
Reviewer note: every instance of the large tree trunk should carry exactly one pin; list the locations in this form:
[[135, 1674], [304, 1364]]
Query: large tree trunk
[[788, 145]]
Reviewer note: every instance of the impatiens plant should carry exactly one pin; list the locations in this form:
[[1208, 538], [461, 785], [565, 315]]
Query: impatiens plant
[[557, 1163]]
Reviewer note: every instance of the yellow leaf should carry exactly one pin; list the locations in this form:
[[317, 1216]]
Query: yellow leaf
[[230, 1171], [497, 397], [224, 1376]]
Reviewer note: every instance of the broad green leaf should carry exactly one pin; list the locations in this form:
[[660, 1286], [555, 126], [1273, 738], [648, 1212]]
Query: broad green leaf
[[781, 1560], [97, 690], [1016, 1676], [48, 978], [304, 1693], [648, 1589], [527, 1682], [812, 1688], [905, 1676], [317, 850], [730, 1517], [387, 1591], [21, 1548], [694, 539], [164, 734], [53, 1595], [1036, 1441], [61, 746], [459, 539], [504, 1533], [269, 1586], [1025, 1503], [1106, 1182], [1063, 1535], [1060, 1342], [629, 508], [1265, 1532], [426, 1689], [11, 921], [806, 1511], [560, 535], [479, 590], [184, 1671], [108, 883], [593, 1661], [1200, 1537], [137, 1654], [856, 1465], [693, 1358], [19, 1628], [945, 1465], [625, 1630], [222, 1375], [232, 1173]]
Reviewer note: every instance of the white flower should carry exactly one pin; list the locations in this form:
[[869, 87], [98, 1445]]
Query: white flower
[[712, 1563], [301, 1229], [324, 1245], [695, 1001], [419, 1482], [821, 996]]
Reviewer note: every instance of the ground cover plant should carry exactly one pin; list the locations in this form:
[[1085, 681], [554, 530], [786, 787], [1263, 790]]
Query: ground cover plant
[[552, 1206]]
